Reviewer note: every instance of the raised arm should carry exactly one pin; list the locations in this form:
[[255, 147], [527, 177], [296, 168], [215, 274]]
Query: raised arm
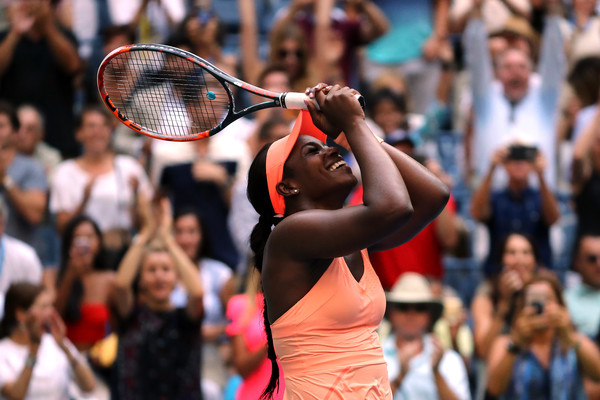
[[122, 297], [61, 47], [251, 63], [479, 61], [481, 207], [553, 61], [374, 22], [188, 273], [428, 196], [326, 233]]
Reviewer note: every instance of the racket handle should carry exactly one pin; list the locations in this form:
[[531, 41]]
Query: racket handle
[[295, 100]]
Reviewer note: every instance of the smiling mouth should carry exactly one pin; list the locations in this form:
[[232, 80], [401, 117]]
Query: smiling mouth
[[337, 165]]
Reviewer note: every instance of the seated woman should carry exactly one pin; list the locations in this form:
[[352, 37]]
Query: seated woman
[[159, 344], [516, 263], [35, 364], [542, 357], [218, 284], [84, 283]]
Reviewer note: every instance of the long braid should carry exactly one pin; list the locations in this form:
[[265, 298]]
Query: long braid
[[258, 195]]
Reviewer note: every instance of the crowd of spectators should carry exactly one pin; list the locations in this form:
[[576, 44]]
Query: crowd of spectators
[[125, 266]]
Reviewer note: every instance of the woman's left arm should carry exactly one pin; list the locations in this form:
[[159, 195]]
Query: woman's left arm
[[84, 377], [428, 196], [588, 356]]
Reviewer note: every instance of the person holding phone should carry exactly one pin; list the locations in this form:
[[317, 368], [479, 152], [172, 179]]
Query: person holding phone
[[542, 357], [520, 206], [323, 300]]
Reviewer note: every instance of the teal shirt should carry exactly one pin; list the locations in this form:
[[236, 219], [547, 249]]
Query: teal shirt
[[583, 303], [411, 24]]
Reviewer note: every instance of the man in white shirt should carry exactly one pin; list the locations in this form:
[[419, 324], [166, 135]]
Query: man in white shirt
[[18, 261], [418, 366]]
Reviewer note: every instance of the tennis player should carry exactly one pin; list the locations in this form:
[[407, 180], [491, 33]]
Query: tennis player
[[323, 301]]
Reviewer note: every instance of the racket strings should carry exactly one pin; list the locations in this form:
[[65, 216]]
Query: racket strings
[[166, 94]]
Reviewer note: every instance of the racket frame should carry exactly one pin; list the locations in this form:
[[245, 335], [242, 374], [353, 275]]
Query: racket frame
[[276, 99]]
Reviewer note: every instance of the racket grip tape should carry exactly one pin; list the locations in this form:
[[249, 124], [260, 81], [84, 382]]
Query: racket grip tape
[[295, 100]]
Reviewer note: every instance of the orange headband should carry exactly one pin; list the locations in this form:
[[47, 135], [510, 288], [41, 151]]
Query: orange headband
[[279, 152]]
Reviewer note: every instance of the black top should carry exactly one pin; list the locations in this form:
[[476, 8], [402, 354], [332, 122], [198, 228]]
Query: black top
[[34, 76], [587, 204], [207, 198], [158, 356]]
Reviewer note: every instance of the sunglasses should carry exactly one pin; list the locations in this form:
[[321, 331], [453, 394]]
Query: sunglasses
[[592, 258], [406, 307], [283, 53]]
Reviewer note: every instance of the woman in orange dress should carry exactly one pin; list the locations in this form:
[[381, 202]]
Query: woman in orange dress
[[323, 301]]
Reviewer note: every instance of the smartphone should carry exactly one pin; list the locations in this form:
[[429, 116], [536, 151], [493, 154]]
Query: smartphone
[[522, 152], [539, 307]]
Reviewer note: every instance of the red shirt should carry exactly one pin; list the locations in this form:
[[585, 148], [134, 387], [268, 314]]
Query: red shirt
[[422, 254]]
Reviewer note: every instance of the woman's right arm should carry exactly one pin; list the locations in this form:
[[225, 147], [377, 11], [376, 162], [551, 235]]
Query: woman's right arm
[[251, 63], [122, 298], [500, 364], [387, 207], [487, 324], [17, 390]]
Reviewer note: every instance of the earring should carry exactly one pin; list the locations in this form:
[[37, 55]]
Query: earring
[[295, 191]]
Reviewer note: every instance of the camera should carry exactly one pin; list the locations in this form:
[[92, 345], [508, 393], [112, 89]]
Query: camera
[[522, 152], [539, 307]]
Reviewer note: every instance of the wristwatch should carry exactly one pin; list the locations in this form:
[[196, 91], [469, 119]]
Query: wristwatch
[[30, 361], [513, 348]]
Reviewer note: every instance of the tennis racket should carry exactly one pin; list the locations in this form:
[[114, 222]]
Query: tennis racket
[[171, 94]]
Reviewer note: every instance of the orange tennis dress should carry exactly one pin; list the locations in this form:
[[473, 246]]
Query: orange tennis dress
[[327, 344]]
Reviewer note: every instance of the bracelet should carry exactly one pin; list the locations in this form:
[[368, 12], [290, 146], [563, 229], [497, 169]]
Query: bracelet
[[30, 361]]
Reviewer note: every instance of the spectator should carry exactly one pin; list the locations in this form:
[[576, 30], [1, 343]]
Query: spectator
[[584, 80], [22, 181], [418, 365], [288, 48], [411, 47], [520, 105], [35, 364], [30, 140], [518, 207], [249, 340], [583, 299], [334, 34], [38, 60], [84, 283], [204, 184], [543, 357], [516, 262], [18, 260], [584, 40], [585, 179], [218, 285], [159, 345], [100, 184]]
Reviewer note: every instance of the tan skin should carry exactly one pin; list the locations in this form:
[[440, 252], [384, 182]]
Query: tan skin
[[34, 320], [519, 265], [536, 333], [317, 228], [96, 284]]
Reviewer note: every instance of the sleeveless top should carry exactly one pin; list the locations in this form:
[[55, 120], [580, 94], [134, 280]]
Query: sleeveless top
[[327, 342]]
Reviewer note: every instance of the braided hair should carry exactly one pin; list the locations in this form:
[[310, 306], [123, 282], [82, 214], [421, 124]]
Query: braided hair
[[258, 194]]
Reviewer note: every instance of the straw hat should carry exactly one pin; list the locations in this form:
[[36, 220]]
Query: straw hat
[[413, 288]]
